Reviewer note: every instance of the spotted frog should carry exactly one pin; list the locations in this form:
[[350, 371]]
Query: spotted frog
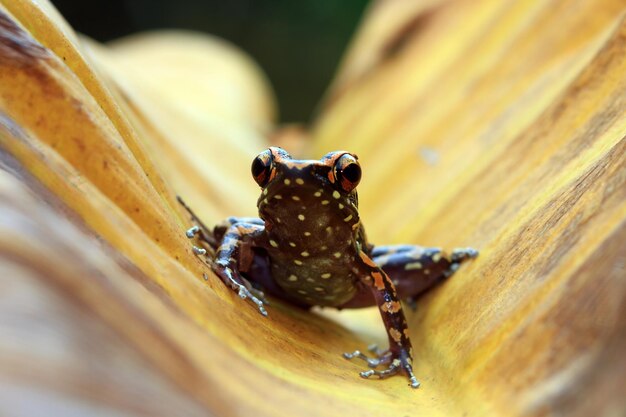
[[309, 248]]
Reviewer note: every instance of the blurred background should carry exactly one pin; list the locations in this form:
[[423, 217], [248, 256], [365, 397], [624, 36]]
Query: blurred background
[[299, 44]]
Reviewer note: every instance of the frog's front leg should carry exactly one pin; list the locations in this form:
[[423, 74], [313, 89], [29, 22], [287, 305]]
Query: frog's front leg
[[399, 356], [415, 269], [235, 255]]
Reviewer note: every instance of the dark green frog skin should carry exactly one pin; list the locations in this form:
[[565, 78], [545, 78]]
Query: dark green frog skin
[[309, 248]]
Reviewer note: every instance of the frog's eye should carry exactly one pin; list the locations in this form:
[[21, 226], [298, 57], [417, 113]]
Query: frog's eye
[[347, 172], [262, 168]]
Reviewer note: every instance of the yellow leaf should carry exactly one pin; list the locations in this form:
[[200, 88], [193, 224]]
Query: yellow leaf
[[498, 125]]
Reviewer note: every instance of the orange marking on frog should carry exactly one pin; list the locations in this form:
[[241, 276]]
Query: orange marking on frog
[[390, 307], [395, 335], [367, 260], [379, 281], [245, 230]]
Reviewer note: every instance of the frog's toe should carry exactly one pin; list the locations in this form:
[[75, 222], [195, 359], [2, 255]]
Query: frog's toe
[[460, 254], [457, 257], [382, 356], [259, 294], [394, 368], [244, 293], [371, 362], [192, 232], [198, 250]]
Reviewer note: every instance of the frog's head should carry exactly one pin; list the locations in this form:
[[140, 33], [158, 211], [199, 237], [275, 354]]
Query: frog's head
[[307, 194]]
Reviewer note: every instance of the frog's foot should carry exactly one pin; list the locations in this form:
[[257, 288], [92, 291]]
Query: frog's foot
[[244, 292], [383, 357], [457, 257], [394, 367], [240, 285], [257, 292]]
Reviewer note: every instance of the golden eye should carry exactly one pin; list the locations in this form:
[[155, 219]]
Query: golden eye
[[347, 172], [262, 167]]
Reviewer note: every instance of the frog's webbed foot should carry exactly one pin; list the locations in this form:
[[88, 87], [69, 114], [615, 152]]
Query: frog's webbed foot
[[383, 357]]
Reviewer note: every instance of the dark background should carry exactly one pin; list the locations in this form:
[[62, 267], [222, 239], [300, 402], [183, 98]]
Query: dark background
[[297, 43]]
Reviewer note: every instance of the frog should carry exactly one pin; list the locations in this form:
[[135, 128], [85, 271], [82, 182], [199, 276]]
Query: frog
[[308, 247]]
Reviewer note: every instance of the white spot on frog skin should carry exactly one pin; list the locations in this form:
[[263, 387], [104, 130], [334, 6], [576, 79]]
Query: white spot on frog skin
[[337, 254], [265, 191], [341, 206], [297, 262], [278, 197], [325, 202], [347, 219], [307, 234], [413, 265], [293, 245], [336, 194], [427, 271], [318, 194], [295, 198], [292, 278], [323, 247], [273, 243], [310, 279], [287, 181], [326, 275], [305, 254], [301, 292], [301, 217], [436, 257], [319, 289], [329, 229], [299, 181]]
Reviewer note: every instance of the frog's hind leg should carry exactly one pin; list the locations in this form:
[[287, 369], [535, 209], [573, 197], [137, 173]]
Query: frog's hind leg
[[415, 269]]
